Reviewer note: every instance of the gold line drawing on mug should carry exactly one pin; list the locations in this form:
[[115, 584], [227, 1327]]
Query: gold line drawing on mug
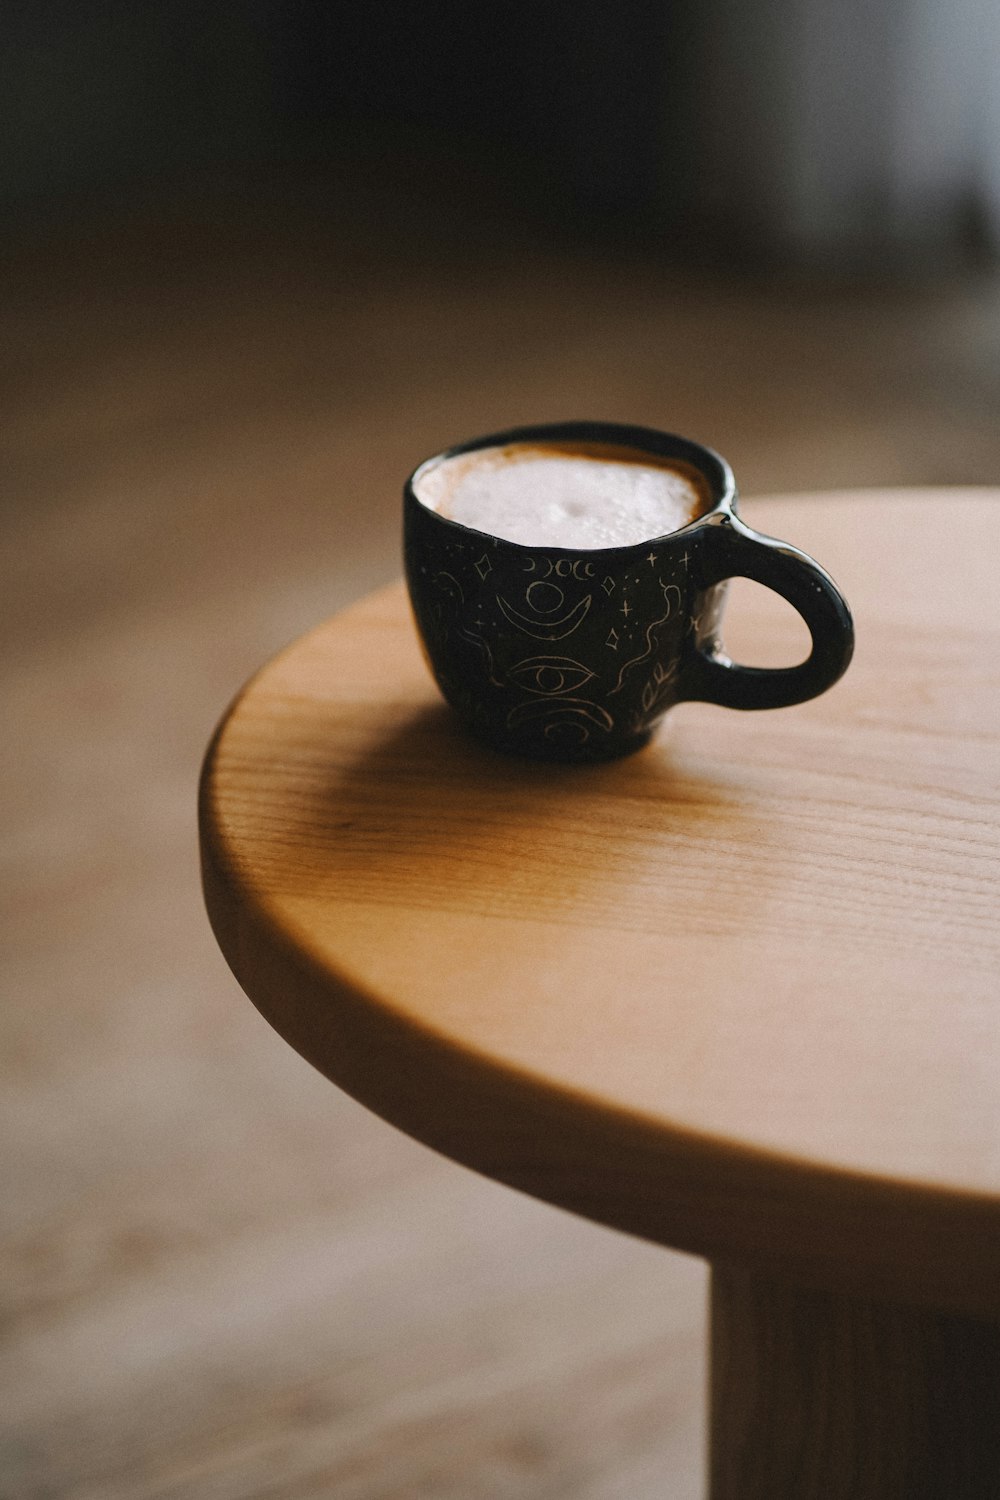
[[452, 587], [550, 676], [563, 567], [482, 645], [574, 713], [668, 589], [657, 684], [544, 598], [546, 630]]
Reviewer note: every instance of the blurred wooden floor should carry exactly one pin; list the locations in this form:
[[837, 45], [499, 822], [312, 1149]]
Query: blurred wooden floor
[[220, 1279]]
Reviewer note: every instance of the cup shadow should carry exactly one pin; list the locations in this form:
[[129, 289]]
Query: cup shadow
[[425, 816]]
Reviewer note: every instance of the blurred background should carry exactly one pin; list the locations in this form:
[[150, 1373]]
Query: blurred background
[[260, 259]]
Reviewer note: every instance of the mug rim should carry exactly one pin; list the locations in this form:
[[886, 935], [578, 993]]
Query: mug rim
[[716, 470]]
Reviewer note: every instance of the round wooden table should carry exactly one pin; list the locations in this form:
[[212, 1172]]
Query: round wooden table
[[738, 994]]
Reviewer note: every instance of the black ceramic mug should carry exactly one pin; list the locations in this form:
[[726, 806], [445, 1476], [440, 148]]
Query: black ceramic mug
[[575, 654]]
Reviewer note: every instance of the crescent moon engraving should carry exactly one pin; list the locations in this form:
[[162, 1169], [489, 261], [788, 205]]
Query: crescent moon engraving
[[547, 630], [562, 711]]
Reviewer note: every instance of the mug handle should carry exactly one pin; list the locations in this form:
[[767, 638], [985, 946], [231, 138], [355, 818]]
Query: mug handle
[[731, 549]]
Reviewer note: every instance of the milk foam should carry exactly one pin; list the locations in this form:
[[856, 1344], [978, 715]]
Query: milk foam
[[555, 497]]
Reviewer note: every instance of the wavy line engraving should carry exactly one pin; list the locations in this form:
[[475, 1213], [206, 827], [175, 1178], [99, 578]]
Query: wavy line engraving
[[451, 587], [670, 588], [482, 645]]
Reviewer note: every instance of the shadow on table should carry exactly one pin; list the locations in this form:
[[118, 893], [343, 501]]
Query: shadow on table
[[427, 816]]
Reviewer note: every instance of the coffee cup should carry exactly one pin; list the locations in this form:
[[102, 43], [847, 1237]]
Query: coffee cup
[[568, 580]]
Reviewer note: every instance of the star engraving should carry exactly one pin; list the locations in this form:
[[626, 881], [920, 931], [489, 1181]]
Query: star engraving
[[484, 567], [613, 639], [609, 585]]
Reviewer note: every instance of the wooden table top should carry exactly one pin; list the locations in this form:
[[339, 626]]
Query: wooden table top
[[739, 993]]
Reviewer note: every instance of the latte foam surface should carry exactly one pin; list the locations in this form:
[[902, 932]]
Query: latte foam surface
[[552, 497]]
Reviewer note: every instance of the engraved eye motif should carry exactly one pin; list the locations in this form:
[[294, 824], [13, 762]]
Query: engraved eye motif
[[550, 675]]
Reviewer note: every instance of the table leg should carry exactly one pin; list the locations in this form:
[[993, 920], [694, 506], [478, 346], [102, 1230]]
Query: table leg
[[817, 1396]]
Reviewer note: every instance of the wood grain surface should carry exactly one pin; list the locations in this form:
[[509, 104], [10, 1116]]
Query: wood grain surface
[[817, 1396], [735, 993]]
